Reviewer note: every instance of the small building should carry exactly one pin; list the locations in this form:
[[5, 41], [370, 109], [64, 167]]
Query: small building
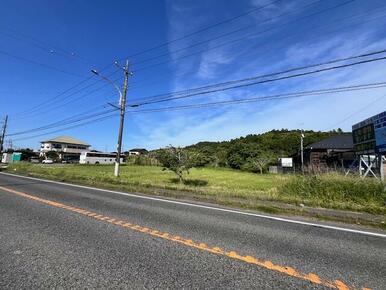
[[11, 157], [137, 151], [6, 158], [16, 156], [68, 148], [284, 165], [334, 152]]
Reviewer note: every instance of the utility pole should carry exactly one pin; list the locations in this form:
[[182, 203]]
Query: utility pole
[[302, 150], [381, 167], [122, 103], [3, 134], [10, 144], [121, 108]]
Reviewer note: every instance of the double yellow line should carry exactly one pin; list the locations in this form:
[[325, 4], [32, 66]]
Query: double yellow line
[[311, 277]]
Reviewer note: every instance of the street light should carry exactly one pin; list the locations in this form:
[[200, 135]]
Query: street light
[[95, 72], [122, 108]]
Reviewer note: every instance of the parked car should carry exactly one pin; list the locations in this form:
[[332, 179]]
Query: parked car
[[34, 160], [47, 161]]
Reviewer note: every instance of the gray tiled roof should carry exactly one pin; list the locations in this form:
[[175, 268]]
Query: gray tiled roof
[[66, 140], [343, 141]]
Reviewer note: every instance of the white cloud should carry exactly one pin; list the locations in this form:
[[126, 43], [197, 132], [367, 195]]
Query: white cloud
[[319, 113], [211, 61]]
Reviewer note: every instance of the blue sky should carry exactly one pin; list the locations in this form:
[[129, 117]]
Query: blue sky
[[46, 47]]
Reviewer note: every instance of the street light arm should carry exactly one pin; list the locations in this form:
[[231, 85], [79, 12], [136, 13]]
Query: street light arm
[[109, 81]]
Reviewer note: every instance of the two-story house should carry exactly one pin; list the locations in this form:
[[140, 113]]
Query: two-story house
[[68, 148]]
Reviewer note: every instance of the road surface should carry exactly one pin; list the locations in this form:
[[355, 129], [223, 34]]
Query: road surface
[[54, 235]]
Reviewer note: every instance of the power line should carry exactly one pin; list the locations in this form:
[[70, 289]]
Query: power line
[[141, 83], [66, 121], [164, 44], [55, 97], [245, 37], [38, 63], [239, 83], [54, 100], [266, 98], [356, 112], [108, 114], [202, 29], [48, 48], [55, 105], [215, 38], [68, 128]]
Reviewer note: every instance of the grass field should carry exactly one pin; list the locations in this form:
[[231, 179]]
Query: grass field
[[225, 186]]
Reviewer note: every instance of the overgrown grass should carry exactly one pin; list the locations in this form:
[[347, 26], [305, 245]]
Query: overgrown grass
[[336, 191], [225, 186]]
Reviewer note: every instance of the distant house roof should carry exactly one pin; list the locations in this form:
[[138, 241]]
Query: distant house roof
[[142, 150], [66, 140], [343, 141]]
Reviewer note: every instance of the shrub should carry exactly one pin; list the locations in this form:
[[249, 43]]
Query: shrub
[[142, 160], [177, 160]]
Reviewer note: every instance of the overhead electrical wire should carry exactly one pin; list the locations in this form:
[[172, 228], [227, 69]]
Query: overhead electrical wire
[[203, 29], [244, 37], [356, 112], [240, 83], [180, 38], [238, 30], [54, 106], [48, 48], [56, 100], [67, 128], [39, 63], [266, 98], [63, 122], [105, 115], [259, 82], [141, 83], [179, 96]]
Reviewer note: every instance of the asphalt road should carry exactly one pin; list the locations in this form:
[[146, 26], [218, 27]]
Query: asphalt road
[[60, 236]]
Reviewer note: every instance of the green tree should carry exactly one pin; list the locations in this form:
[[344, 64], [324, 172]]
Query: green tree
[[262, 160], [52, 155], [175, 159], [241, 153]]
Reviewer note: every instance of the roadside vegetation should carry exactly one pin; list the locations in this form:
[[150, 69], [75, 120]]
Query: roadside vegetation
[[253, 153], [225, 186]]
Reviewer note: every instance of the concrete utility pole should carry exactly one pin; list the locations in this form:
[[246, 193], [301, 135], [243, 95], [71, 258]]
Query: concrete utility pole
[[122, 108], [302, 150], [3, 134], [381, 167], [122, 103]]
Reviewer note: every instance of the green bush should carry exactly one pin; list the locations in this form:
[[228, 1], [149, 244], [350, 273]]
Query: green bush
[[142, 160]]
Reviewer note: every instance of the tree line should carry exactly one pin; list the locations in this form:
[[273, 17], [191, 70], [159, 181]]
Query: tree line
[[253, 152]]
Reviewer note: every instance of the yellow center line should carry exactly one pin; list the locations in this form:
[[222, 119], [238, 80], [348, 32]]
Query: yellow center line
[[311, 277]]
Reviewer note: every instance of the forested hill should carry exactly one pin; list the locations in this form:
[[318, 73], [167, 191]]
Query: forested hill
[[241, 153]]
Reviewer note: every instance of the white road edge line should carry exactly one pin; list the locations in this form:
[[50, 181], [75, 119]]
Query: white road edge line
[[206, 207]]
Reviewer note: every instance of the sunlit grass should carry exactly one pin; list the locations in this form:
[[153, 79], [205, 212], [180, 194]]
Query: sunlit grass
[[225, 186]]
